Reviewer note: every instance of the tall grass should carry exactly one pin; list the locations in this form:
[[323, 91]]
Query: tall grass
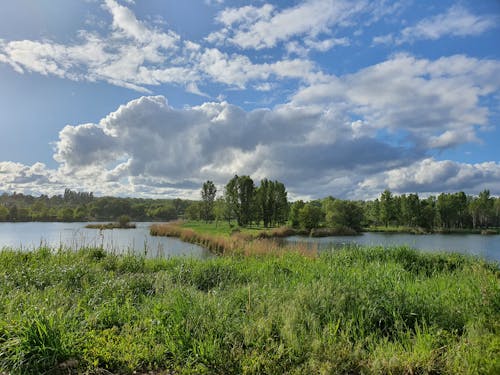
[[258, 243], [370, 311]]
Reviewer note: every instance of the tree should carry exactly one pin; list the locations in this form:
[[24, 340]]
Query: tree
[[309, 216], [272, 202], [221, 211], [294, 213], [482, 209], [193, 211], [410, 210], [4, 213], [208, 192], [164, 212], [65, 214], [341, 213], [240, 196], [386, 207]]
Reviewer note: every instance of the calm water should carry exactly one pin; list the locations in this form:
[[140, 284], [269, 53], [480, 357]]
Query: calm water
[[487, 247], [29, 236]]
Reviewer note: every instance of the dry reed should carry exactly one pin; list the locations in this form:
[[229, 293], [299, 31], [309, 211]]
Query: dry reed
[[238, 243]]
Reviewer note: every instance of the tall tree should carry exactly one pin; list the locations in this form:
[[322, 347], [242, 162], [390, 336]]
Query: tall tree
[[240, 198], [272, 203], [386, 207], [208, 192]]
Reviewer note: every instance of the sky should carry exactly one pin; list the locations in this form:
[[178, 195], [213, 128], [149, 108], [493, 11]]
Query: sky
[[340, 98]]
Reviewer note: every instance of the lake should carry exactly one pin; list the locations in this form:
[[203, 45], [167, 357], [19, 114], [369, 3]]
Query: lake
[[484, 246], [29, 236]]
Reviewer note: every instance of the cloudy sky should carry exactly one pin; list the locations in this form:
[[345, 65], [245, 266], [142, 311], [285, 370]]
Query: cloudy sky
[[331, 97]]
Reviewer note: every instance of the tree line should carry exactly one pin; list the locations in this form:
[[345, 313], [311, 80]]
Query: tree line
[[245, 203], [84, 206]]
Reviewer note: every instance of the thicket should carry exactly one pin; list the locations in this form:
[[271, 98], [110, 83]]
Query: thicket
[[372, 311]]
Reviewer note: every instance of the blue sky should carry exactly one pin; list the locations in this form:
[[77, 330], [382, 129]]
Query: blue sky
[[332, 97]]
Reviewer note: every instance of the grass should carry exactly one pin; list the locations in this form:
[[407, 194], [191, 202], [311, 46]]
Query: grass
[[353, 311], [223, 228], [223, 240]]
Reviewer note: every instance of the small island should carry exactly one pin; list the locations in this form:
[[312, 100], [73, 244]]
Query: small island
[[122, 223]]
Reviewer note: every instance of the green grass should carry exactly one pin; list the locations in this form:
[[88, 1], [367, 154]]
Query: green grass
[[372, 311], [223, 228]]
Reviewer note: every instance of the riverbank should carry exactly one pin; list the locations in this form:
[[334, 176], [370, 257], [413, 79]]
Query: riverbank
[[351, 311], [110, 226], [420, 230]]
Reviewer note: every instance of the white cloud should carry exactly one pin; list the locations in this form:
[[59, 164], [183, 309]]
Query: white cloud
[[456, 22], [434, 103], [136, 55], [146, 140], [265, 27], [433, 176]]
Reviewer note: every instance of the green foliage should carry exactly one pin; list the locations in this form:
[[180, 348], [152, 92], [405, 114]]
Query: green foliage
[[4, 213], [272, 203], [208, 192], [309, 216], [240, 198], [123, 220], [193, 211], [353, 310], [341, 213]]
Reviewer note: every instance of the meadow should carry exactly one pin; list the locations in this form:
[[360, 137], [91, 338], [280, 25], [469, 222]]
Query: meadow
[[352, 311]]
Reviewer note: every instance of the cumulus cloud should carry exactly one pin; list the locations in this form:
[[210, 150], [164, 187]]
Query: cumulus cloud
[[150, 142], [432, 104], [432, 176]]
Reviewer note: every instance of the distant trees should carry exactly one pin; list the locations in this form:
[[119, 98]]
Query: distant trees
[[4, 213], [266, 204]]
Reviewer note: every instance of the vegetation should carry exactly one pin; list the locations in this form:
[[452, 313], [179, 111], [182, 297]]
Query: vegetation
[[351, 311], [76, 206], [267, 205], [123, 223], [208, 192], [224, 240]]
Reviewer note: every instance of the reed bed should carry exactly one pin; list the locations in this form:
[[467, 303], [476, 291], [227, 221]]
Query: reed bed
[[237, 243]]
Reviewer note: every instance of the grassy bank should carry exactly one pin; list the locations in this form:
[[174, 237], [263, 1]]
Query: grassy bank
[[351, 311]]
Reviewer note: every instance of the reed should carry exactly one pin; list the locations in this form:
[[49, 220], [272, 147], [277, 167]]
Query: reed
[[238, 243]]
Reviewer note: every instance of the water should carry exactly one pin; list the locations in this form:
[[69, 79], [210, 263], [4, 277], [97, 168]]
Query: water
[[29, 236], [484, 246]]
